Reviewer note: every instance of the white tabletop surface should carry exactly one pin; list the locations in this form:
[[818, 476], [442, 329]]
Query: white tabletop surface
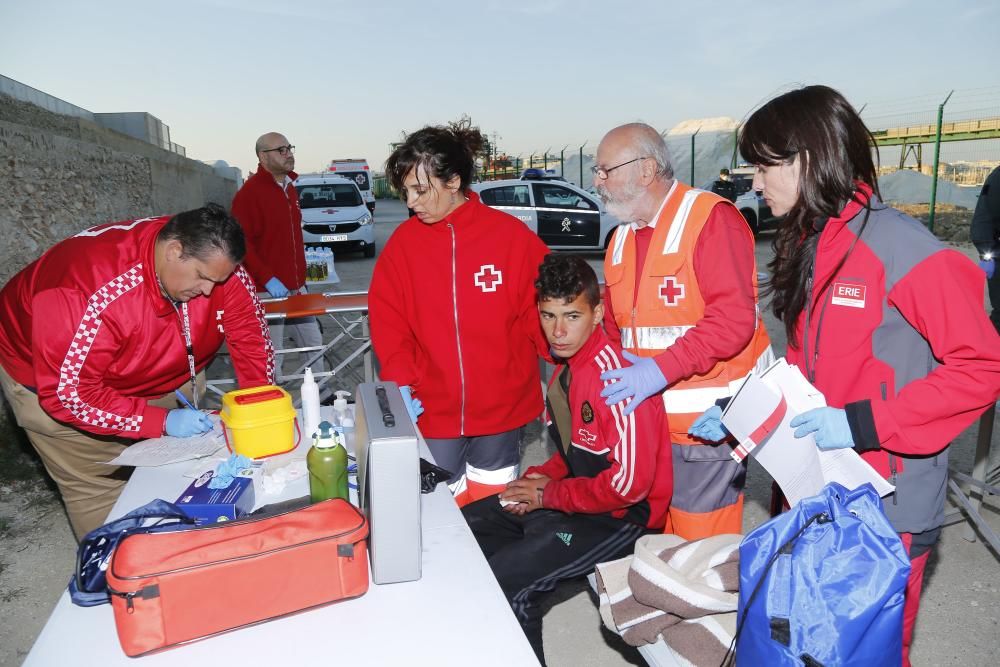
[[454, 615]]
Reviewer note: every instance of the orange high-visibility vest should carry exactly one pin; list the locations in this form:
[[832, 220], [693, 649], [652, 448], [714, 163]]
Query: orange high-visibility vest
[[669, 303]]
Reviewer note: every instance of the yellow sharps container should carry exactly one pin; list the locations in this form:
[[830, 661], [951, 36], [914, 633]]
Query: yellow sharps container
[[259, 421]]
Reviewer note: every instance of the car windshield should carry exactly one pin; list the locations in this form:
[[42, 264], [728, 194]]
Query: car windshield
[[359, 177], [321, 195]]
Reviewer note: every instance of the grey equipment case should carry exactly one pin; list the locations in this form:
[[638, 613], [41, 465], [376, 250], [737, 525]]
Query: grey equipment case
[[388, 481]]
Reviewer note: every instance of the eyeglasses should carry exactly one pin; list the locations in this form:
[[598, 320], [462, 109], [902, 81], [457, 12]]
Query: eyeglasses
[[282, 150], [602, 173]]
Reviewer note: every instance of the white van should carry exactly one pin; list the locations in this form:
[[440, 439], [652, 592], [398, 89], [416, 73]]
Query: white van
[[334, 214], [356, 169]]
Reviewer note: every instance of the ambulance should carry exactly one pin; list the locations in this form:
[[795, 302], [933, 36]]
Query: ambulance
[[334, 214], [356, 169]]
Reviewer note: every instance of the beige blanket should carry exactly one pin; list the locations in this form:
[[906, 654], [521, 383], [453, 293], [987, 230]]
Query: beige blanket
[[684, 591]]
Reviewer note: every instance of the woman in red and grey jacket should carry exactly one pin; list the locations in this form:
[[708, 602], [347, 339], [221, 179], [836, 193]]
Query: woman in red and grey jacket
[[452, 307], [881, 317]]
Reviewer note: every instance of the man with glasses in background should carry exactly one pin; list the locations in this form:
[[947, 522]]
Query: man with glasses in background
[[681, 297], [267, 207]]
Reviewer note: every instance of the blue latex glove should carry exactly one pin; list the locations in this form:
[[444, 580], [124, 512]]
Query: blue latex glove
[[709, 426], [639, 381], [276, 288], [413, 405], [227, 470], [829, 426], [184, 422], [988, 266]]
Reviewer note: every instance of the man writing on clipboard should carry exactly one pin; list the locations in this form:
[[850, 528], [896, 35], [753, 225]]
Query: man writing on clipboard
[[97, 333]]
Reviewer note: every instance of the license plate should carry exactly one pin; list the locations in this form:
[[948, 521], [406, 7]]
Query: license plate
[[332, 238]]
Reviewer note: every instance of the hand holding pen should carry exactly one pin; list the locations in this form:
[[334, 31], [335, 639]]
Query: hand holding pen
[[188, 421]]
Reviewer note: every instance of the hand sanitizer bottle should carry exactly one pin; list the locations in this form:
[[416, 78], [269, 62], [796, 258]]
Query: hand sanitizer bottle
[[310, 404], [341, 413]]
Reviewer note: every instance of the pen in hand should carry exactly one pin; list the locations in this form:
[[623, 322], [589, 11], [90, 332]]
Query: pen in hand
[[184, 399], [182, 426]]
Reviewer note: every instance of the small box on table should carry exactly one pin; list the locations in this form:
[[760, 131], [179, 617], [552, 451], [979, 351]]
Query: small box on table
[[206, 505]]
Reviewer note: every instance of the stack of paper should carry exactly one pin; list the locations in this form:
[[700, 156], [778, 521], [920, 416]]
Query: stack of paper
[[168, 449], [758, 417]]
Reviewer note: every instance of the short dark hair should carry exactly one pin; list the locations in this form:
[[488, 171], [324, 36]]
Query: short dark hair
[[205, 231], [445, 151], [566, 277]]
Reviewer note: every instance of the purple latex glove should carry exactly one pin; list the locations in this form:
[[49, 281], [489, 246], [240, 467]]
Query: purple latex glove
[[988, 266], [639, 381]]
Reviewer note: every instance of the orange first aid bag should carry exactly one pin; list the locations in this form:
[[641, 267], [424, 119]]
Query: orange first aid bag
[[172, 587]]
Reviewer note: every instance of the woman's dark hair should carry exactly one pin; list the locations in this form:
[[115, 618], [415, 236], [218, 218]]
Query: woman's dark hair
[[445, 151], [205, 231], [820, 127], [566, 277]]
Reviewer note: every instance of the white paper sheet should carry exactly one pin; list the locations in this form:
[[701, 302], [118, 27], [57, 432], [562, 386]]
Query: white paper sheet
[[168, 449], [799, 467]]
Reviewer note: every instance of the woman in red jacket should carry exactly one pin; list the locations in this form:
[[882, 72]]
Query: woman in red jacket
[[881, 317], [452, 308]]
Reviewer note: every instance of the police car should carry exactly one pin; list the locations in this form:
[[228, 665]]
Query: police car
[[334, 214], [749, 202], [564, 216]]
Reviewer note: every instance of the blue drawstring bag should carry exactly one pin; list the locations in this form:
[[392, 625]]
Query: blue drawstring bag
[[88, 586], [823, 584]]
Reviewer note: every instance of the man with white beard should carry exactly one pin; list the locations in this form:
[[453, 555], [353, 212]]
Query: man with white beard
[[681, 297]]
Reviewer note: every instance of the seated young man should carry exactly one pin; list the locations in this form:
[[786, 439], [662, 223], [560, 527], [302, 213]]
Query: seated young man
[[610, 479]]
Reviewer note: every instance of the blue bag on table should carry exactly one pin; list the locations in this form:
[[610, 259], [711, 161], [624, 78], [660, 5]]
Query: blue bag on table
[[88, 586], [823, 584]]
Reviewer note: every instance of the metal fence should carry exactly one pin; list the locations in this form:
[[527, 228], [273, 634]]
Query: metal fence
[[947, 143]]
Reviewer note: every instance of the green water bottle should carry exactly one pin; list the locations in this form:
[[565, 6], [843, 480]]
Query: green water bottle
[[327, 463]]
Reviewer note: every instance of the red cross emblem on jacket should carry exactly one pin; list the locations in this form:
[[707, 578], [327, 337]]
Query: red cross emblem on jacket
[[671, 291], [488, 278]]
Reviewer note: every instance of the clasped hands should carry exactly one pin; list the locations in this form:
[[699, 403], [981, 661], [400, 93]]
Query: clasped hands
[[525, 492]]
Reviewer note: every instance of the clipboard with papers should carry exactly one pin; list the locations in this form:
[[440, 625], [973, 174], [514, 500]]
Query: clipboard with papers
[[758, 416]]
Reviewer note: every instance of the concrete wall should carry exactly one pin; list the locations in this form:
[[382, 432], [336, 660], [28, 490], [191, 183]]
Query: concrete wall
[[62, 174]]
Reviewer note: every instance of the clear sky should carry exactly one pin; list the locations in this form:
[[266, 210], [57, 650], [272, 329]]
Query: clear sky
[[344, 79]]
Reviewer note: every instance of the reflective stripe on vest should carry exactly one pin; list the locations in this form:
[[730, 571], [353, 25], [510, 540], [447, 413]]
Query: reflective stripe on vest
[[652, 338], [695, 401]]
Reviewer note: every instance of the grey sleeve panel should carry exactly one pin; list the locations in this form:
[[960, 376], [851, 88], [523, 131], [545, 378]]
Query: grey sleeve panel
[[900, 243]]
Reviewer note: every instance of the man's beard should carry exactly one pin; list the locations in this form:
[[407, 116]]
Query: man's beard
[[623, 206]]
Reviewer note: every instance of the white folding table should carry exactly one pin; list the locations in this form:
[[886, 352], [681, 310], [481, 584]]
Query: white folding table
[[455, 614]]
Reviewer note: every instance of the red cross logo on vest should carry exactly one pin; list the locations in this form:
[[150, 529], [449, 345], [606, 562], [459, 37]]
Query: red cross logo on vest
[[671, 291], [488, 278]]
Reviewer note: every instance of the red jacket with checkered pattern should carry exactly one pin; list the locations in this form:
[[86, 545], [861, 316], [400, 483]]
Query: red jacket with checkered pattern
[[86, 327]]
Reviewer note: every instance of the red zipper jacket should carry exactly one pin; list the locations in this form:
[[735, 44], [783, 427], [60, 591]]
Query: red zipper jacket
[[898, 336], [272, 223], [614, 464], [453, 315], [86, 327]]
